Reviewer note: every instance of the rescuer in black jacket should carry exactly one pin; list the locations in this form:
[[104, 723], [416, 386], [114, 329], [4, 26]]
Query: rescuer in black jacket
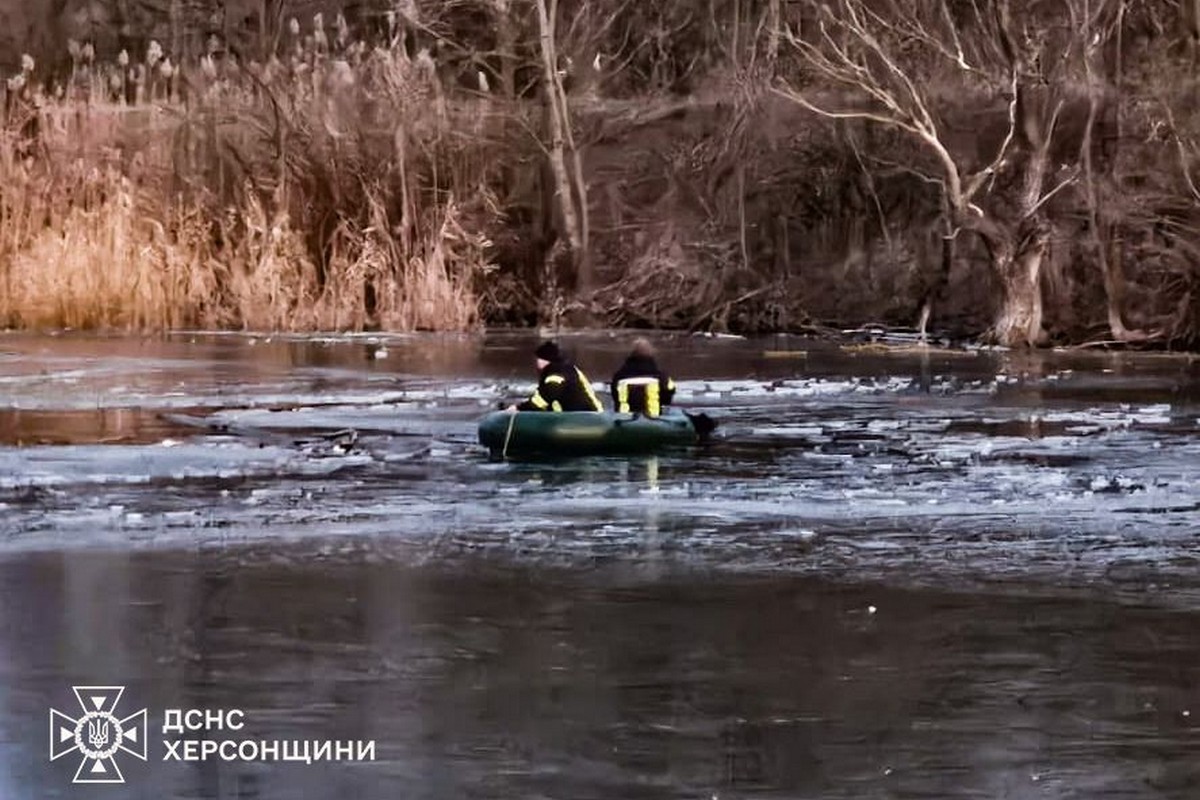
[[639, 386], [562, 386]]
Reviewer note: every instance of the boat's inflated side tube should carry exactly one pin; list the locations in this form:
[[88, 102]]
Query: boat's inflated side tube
[[571, 433]]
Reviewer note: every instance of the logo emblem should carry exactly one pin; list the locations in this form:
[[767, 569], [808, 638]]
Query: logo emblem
[[98, 734]]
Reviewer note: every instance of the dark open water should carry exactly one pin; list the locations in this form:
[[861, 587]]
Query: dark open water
[[963, 575]]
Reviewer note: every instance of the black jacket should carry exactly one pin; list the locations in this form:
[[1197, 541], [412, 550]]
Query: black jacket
[[640, 387], [562, 386]]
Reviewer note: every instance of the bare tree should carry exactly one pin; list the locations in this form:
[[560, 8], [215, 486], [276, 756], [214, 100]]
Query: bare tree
[[906, 64], [568, 178], [1100, 23]]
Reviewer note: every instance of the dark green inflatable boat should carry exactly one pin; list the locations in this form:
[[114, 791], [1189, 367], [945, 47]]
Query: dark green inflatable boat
[[579, 433]]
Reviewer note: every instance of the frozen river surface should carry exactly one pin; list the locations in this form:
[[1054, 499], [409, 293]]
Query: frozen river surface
[[894, 574]]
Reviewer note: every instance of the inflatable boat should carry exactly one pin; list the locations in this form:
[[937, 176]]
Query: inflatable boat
[[578, 433]]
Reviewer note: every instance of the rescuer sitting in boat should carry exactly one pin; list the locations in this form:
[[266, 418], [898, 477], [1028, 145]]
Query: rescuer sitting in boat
[[640, 386], [562, 386]]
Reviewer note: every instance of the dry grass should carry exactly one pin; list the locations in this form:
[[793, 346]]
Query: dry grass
[[316, 191], [99, 264]]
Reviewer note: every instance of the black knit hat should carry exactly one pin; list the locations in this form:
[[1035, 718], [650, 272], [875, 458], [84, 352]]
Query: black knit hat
[[548, 351]]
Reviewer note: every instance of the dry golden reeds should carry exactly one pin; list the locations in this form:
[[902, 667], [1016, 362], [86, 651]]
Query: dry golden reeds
[[263, 196]]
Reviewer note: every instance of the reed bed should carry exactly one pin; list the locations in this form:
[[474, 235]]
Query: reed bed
[[333, 186]]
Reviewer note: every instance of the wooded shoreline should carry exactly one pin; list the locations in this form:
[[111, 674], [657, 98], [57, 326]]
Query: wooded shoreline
[[1005, 170]]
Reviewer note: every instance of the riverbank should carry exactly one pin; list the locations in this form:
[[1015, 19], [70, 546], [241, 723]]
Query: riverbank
[[373, 172]]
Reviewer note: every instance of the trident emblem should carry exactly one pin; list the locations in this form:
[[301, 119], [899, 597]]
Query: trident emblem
[[98, 733]]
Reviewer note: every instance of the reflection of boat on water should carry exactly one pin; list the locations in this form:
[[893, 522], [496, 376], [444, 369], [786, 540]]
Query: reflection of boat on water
[[580, 433]]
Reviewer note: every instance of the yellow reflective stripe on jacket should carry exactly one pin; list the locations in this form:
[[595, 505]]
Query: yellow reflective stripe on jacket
[[650, 385], [541, 403], [653, 406], [587, 389], [623, 397]]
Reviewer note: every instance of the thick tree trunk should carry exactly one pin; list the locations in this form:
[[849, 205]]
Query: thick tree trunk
[[1019, 266], [1022, 248]]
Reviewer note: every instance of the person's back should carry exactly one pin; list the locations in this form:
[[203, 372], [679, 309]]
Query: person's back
[[640, 386]]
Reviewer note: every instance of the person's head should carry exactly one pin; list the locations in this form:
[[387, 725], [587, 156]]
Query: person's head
[[547, 353], [643, 348]]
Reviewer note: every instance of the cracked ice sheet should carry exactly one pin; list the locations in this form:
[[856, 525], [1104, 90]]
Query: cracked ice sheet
[[35, 467]]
